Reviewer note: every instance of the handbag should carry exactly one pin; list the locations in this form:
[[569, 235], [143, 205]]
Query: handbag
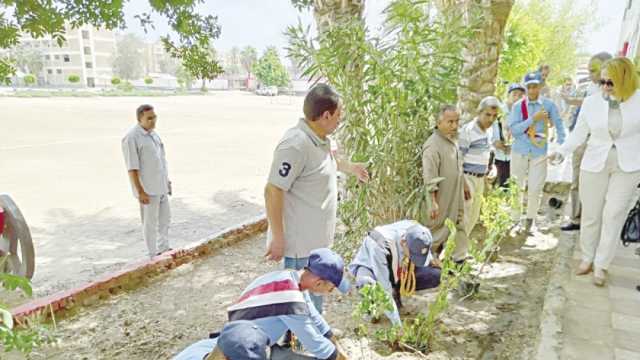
[[631, 229]]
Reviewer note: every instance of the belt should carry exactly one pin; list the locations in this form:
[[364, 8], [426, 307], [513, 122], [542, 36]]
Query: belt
[[474, 174]]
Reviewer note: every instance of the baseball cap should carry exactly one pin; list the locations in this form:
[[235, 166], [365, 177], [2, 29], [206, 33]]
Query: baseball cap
[[419, 241], [329, 266], [243, 340], [516, 86], [532, 78]]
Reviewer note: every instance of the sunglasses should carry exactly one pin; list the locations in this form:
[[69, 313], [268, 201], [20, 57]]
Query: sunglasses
[[606, 82]]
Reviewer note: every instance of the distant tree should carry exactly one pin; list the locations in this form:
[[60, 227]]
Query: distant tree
[[248, 58], [168, 65], [200, 63], [128, 61], [29, 79], [192, 30], [184, 78], [73, 78], [27, 59], [115, 81], [269, 69], [232, 64], [148, 80]]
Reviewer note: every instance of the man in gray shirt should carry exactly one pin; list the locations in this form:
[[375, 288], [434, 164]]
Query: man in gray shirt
[[146, 163], [301, 193]]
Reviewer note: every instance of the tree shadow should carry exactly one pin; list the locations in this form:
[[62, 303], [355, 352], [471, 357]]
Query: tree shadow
[[81, 247]]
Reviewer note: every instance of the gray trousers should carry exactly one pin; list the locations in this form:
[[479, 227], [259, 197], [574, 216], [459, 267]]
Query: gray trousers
[[576, 207], [156, 216]]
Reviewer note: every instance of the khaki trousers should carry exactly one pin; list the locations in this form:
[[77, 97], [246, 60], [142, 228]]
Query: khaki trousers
[[530, 174], [606, 197], [472, 207]]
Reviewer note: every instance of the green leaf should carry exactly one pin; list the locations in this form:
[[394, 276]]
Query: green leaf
[[12, 282]]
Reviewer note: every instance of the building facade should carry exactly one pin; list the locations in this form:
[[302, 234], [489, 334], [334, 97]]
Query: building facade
[[87, 52], [629, 42]]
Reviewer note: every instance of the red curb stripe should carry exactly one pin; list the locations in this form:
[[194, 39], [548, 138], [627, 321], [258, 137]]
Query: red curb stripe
[[105, 285]]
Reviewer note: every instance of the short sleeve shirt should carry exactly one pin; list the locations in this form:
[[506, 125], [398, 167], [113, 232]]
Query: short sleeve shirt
[[144, 151], [304, 167]]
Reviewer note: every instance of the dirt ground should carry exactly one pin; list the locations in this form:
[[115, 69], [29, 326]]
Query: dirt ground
[[60, 160], [184, 305]]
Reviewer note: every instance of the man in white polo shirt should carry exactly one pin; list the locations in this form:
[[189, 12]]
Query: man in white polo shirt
[[146, 164], [301, 193], [475, 141]]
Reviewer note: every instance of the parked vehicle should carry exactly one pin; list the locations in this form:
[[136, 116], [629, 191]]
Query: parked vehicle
[[267, 91]]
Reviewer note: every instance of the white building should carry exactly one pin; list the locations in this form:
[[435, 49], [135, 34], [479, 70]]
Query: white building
[[87, 53], [629, 42]]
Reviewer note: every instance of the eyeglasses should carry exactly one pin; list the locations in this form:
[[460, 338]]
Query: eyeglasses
[[604, 82]]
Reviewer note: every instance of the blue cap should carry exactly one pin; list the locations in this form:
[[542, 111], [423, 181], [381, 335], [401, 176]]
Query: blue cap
[[329, 266], [532, 78], [516, 86], [243, 340], [419, 241]]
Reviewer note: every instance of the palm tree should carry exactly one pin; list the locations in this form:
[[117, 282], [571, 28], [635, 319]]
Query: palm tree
[[480, 69]]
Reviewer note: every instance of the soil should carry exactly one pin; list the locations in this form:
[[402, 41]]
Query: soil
[[178, 308]]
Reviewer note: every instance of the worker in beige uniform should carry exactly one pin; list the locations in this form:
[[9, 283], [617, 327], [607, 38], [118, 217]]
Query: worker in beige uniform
[[442, 169], [144, 156], [301, 193]]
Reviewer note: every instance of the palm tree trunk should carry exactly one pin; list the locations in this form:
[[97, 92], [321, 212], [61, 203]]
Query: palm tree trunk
[[481, 55], [329, 13]]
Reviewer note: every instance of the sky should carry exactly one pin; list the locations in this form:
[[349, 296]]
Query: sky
[[261, 23]]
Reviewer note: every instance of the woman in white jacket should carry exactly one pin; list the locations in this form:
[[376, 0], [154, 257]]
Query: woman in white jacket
[[610, 169]]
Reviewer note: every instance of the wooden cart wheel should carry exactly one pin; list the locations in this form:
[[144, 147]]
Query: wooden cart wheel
[[17, 255]]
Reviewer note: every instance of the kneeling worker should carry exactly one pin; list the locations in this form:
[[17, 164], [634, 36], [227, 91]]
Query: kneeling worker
[[239, 340], [398, 257], [279, 302]]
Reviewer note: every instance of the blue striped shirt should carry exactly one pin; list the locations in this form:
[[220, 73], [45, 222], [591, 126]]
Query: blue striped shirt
[[475, 145]]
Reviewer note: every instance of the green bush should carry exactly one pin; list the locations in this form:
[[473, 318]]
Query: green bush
[[125, 86], [115, 81], [73, 78], [392, 88], [148, 80], [29, 79]]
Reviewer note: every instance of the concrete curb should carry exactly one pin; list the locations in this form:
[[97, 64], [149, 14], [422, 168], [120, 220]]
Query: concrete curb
[[555, 301], [133, 275]]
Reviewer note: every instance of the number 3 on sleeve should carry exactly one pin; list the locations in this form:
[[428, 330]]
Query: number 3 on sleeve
[[284, 169]]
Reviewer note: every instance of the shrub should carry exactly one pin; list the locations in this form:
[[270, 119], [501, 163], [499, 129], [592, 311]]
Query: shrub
[[73, 78], [115, 81], [148, 80], [29, 79]]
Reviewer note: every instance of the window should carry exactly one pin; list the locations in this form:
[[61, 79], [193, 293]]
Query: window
[[85, 34], [49, 71], [87, 50], [88, 65], [59, 71], [47, 57], [57, 57], [66, 58]]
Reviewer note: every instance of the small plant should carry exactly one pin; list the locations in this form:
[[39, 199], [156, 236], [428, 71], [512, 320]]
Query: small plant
[[374, 303], [29, 79], [417, 334], [115, 81], [148, 80], [31, 334], [73, 78]]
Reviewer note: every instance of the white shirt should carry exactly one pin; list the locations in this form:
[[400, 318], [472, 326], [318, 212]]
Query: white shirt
[[144, 151], [475, 144]]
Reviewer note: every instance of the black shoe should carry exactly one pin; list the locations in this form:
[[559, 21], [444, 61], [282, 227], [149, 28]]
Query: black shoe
[[570, 227]]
